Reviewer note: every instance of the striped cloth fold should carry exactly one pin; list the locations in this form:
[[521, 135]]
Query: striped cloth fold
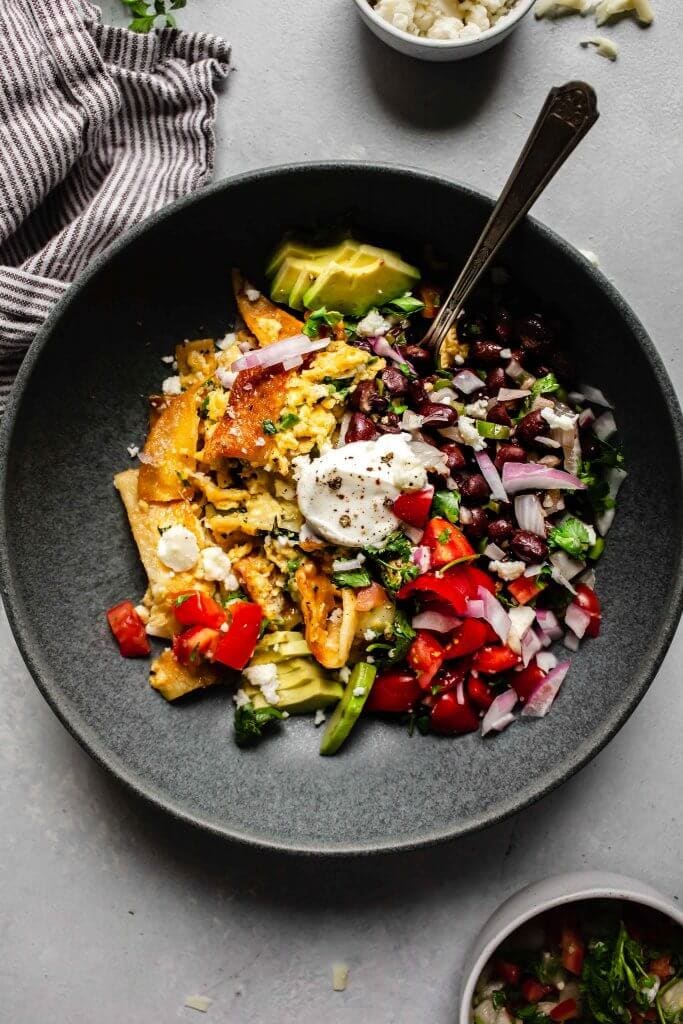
[[99, 127]]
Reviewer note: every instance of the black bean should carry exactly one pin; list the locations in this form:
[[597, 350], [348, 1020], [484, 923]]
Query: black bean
[[454, 456], [472, 328], [495, 380], [502, 326], [528, 546], [361, 428], [417, 393], [531, 427], [395, 383], [533, 333], [437, 415], [366, 398], [419, 357], [485, 352], [563, 366], [590, 448], [499, 414], [500, 530], [478, 527], [509, 453], [473, 488]]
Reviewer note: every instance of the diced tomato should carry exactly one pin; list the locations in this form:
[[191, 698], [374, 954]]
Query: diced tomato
[[451, 588], [446, 542], [431, 297], [370, 597], [567, 1010], [195, 643], [589, 603], [449, 715], [451, 678], [573, 949], [129, 630], [426, 657], [524, 589], [394, 692], [469, 637], [508, 971], [533, 991], [662, 967], [194, 608], [481, 696], [494, 658], [414, 507], [479, 578], [525, 682], [236, 646]]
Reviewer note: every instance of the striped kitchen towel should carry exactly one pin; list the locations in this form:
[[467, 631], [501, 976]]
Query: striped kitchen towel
[[99, 127]]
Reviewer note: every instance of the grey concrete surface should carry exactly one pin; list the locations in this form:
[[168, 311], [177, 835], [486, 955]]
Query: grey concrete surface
[[111, 914]]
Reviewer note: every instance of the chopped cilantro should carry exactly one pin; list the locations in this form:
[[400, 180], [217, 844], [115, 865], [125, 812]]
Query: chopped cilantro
[[498, 998], [287, 420], [355, 578], [447, 505], [572, 535], [292, 565], [319, 317], [393, 562], [182, 599], [407, 304], [394, 645], [269, 427], [250, 723], [444, 537]]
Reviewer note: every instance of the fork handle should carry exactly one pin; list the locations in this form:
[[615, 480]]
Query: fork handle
[[568, 113]]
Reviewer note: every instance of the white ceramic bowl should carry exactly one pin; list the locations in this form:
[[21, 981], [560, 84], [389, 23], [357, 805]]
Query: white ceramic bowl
[[541, 896], [441, 49]]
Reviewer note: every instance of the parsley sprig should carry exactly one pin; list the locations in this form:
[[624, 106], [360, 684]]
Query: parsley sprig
[[144, 13]]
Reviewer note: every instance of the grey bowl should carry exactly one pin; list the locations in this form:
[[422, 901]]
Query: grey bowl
[[66, 554]]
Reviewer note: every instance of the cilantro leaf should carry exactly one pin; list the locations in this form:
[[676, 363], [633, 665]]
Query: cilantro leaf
[[572, 535], [407, 304], [319, 317], [287, 420], [393, 562], [250, 723], [394, 645], [447, 505], [269, 427], [352, 578]]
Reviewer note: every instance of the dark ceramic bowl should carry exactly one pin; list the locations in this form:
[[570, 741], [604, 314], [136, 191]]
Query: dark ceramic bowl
[[67, 554]]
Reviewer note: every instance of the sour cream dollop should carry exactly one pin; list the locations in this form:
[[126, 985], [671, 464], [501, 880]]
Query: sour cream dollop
[[346, 495]]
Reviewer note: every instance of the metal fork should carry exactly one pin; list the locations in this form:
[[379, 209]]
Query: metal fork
[[567, 114]]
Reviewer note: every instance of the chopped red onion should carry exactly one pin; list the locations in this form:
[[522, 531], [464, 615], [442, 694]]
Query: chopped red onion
[[465, 516], [492, 476], [343, 427], [577, 620], [546, 660], [381, 347], [512, 394], [515, 370], [348, 564], [433, 460], [475, 609], [468, 382], [524, 476], [549, 623], [546, 640], [499, 715], [587, 579], [445, 396], [565, 564], [540, 701], [460, 692], [615, 478], [412, 533], [547, 442], [495, 614], [571, 641], [595, 396], [493, 551], [411, 420], [436, 621], [226, 377], [531, 644], [422, 558], [529, 514], [586, 417], [279, 352], [534, 570], [562, 580]]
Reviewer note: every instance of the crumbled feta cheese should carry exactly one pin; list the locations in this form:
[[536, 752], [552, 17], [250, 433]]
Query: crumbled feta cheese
[[171, 386], [142, 612], [226, 377], [506, 353], [459, 360], [319, 717], [370, 660], [344, 674], [201, 1003], [452, 20], [478, 409], [507, 570], [266, 678], [470, 435], [168, 359], [336, 615], [369, 635], [260, 442], [178, 548], [604, 46], [566, 421], [589, 255], [348, 564], [133, 450], [340, 977], [253, 294], [216, 566], [372, 325], [227, 342]]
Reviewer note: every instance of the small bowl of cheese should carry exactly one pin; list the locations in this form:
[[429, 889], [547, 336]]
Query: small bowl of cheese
[[442, 30]]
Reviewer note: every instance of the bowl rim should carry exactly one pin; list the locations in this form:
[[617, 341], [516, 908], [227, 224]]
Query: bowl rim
[[605, 885], [507, 22], [84, 733]]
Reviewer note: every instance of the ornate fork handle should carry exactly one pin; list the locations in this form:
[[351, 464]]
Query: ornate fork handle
[[568, 113]]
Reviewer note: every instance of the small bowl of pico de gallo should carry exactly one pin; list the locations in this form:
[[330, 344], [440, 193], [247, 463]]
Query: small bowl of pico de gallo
[[584, 947]]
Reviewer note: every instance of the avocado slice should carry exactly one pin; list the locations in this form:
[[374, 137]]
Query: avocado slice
[[279, 647], [348, 709], [298, 251], [355, 290], [291, 271], [303, 686]]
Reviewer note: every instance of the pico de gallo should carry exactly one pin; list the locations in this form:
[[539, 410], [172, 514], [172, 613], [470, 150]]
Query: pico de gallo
[[319, 503]]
